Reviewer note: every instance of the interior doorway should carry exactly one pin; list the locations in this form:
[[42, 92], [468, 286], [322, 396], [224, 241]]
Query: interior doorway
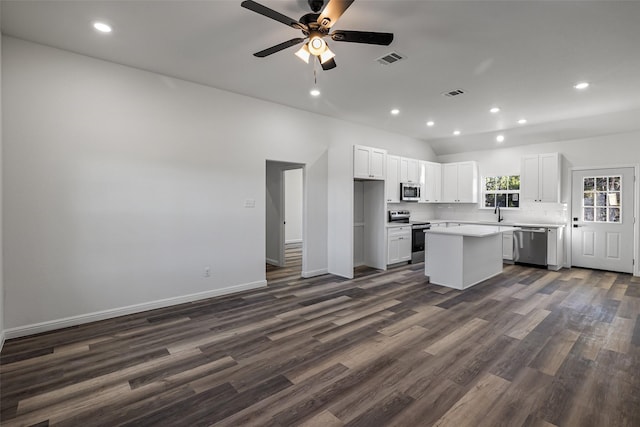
[[602, 219], [284, 218]]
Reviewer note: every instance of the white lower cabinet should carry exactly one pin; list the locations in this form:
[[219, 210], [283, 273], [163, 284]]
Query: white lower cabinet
[[398, 244], [507, 246], [555, 248]]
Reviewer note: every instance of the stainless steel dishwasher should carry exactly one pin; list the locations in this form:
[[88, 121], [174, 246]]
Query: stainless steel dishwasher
[[530, 245]]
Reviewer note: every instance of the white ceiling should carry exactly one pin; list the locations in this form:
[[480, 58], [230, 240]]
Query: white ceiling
[[523, 56]]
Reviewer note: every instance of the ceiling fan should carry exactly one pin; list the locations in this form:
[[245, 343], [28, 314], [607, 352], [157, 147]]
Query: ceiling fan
[[316, 26]]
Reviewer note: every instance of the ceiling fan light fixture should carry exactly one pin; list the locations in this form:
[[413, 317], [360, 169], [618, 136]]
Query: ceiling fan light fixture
[[316, 46], [326, 55], [303, 53]]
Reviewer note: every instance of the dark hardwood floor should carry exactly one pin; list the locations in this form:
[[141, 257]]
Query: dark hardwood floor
[[292, 264], [527, 348]]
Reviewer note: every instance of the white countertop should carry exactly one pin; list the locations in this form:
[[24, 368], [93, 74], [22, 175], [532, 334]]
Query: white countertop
[[397, 224], [472, 230], [503, 223]]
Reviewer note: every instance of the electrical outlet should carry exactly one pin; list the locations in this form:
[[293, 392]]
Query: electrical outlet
[[207, 271]]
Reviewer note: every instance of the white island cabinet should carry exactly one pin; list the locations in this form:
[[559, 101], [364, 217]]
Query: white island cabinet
[[460, 257]]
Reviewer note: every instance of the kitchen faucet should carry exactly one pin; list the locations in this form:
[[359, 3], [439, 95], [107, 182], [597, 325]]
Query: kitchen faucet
[[497, 210]]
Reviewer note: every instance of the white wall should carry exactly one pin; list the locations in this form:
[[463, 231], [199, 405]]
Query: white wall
[[120, 185], [293, 205], [274, 248], [602, 151]]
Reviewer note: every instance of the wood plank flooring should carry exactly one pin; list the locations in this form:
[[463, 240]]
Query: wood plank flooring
[[292, 264], [529, 347]]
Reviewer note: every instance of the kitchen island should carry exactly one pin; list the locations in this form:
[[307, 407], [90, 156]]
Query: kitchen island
[[460, 257]]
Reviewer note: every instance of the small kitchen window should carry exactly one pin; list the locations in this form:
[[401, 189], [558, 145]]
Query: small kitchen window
[[501, 190]]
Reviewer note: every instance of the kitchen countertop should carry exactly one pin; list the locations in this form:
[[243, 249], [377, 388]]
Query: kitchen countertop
[[494, 223], [472, 230], [397, 224], [503, 223]]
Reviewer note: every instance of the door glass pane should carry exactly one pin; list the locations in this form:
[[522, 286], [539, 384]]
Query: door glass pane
[[588, 199], [614, 215], [603, 204], [588, 184], [588, 214], [614, 183]]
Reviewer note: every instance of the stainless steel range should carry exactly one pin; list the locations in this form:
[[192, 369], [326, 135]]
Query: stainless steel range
[[417, 233]]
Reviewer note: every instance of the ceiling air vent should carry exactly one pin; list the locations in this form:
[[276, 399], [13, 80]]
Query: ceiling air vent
[[453, 93], [390, 58]]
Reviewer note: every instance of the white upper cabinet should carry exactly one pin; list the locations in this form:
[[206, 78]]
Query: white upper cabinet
[[392, 182], [369, 162], [540, 178], [409, 170], [460, 182], [431, 182]]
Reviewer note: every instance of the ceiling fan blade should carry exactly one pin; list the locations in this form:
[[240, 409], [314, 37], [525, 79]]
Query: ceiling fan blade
[[328, 65], [332, 11], [367, 37], [270, 13], [278, 47]]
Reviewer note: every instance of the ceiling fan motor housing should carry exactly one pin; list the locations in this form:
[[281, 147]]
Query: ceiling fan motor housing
[[316, 5]]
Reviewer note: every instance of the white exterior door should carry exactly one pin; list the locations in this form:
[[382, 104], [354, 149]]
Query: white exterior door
[[602, 219]]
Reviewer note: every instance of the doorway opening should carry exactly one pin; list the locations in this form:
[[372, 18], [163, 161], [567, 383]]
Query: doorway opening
[[284, 249]]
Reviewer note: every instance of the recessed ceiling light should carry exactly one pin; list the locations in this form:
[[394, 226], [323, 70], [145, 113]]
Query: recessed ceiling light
[[102, 27], [581, 85], [395, 111], [314, 92], [431, 123], [456, 132], [494, 110], [522, 121], [500, 138]]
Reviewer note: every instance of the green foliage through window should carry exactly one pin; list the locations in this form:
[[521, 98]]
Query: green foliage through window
[[503, 191]]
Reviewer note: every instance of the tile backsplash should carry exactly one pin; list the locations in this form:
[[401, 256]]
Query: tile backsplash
[[528, 212]]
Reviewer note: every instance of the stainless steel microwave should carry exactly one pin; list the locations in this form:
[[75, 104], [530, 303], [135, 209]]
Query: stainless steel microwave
[[409, 192]]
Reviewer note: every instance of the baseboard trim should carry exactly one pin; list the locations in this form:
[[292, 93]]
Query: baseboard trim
[[1, 340], [36, 328], [292, 241], [314, 273], [273, 262]]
